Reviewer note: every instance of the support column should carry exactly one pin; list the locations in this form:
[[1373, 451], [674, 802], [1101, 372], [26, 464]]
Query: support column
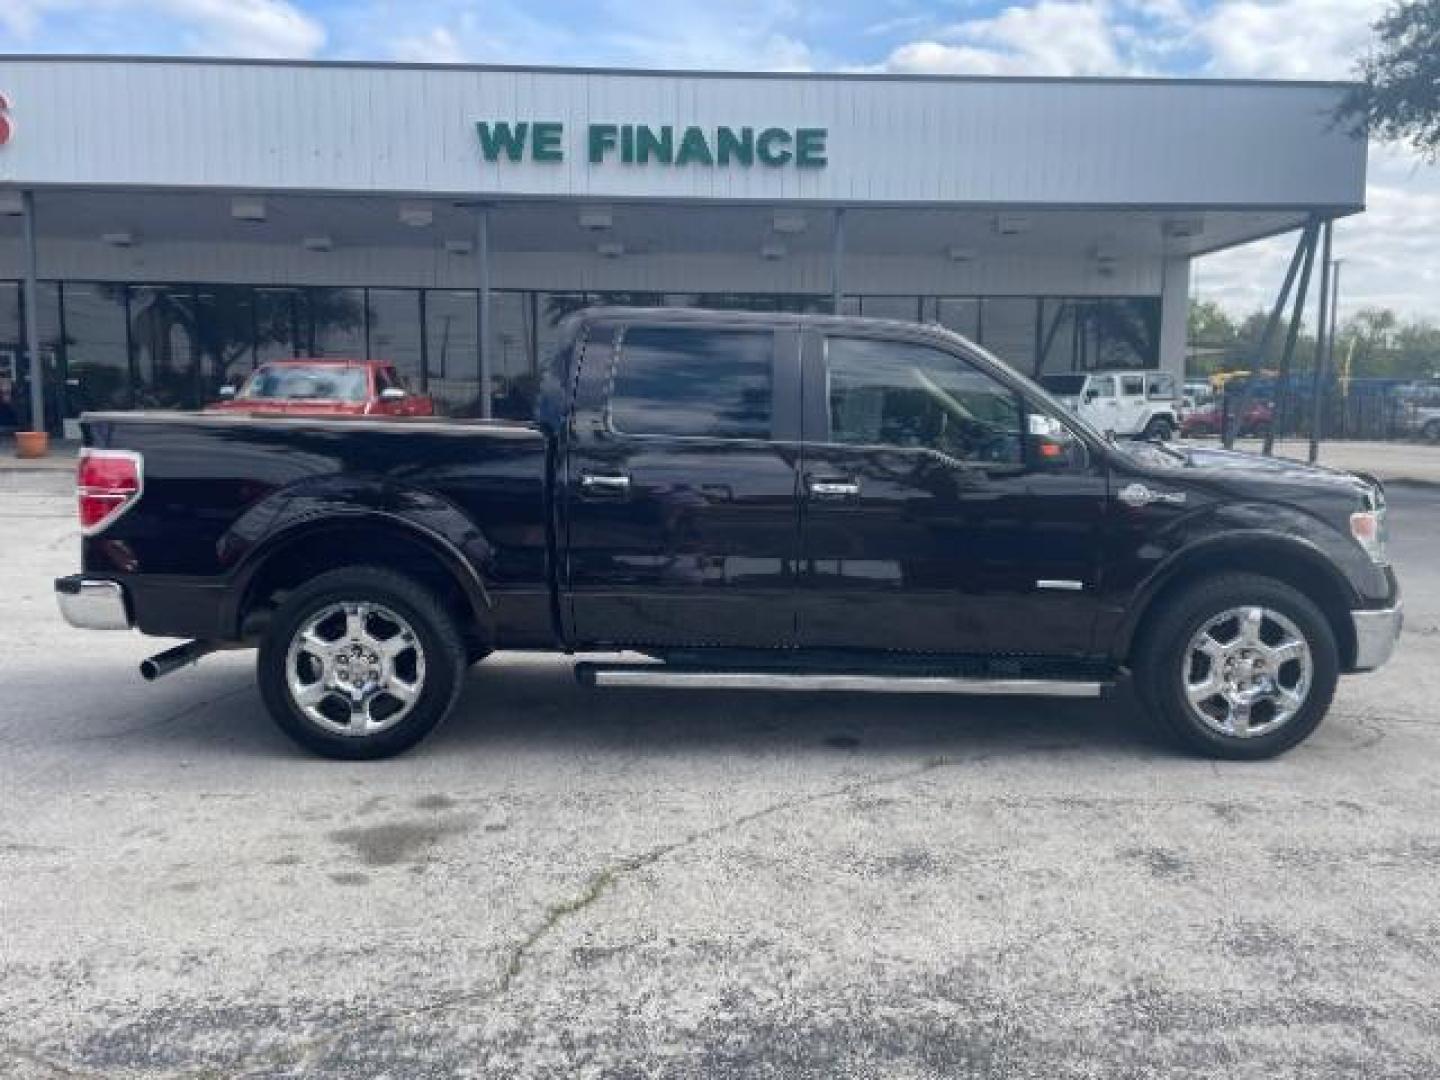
[[32, 316], [1174, 316], [482, 259], [1322, 347], [837, 259], [1310, 241]]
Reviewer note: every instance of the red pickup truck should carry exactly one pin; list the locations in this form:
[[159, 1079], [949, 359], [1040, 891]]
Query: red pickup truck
[[324, 388]]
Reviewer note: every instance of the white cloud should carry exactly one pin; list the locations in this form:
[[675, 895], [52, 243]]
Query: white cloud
[[1287, 39], [1389, 253], [697, 34], [266, 28], [1053, 37], [438, 45]]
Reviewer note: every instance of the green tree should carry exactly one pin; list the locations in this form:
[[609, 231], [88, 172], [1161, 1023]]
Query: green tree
[[1398, 96]]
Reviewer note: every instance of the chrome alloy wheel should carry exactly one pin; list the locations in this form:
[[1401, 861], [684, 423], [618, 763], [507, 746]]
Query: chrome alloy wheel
[[355, 668], [1247, 671]]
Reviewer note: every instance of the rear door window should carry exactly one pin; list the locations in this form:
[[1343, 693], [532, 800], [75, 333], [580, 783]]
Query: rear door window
[[1132, 385], [1161, 387], [693, 381]]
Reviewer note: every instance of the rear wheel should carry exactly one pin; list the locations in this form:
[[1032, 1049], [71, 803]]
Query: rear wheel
[[1238, 666], [360, 662]]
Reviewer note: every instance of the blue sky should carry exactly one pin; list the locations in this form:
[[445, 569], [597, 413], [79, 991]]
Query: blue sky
[[1393, 258]]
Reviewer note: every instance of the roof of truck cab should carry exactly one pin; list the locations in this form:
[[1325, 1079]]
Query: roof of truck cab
[[761, 318]]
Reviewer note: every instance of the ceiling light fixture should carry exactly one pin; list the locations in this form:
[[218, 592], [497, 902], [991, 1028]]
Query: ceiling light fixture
[[596, 218], [247, 208], [960, 254], [318, 243], [1183, 228], [12, 203], [789, 223], [417, 215], [772, 250], [1012, 224], [610, 249], [459, 247], [118, 239]]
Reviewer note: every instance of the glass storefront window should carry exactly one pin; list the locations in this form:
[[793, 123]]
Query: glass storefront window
[[188, 340], [452, 350], [334, 322], [14, 362], [959, 315], [276, 331], [393, 319], [904, 308], [225, 333], [550, 310], [95, 346], [512, 345], [1008, 330], [12, 357], [162, 337]]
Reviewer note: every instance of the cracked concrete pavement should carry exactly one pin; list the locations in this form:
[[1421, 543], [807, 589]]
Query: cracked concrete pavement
[[632, 883]]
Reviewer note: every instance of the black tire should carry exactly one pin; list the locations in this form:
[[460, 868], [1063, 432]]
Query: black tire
[[1431, 431], [1161, 661], [1159, 429], [440, 642]]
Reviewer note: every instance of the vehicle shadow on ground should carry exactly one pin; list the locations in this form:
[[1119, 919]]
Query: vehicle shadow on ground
[[532, 702]]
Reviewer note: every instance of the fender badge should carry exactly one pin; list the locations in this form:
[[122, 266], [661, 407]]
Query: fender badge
[[1138, 495]]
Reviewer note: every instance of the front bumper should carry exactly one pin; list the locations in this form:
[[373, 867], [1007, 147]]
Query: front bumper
[[1375, 635], [92, 604]]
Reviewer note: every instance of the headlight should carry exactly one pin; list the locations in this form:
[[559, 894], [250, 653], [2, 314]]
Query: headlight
[[1368, 528]]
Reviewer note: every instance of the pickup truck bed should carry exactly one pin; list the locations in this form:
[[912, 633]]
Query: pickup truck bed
[[234, 505]]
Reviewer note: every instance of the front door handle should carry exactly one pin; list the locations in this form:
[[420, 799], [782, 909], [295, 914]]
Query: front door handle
[[834, 489], [603, 484]]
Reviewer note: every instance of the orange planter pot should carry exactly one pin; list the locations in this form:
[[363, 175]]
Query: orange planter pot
[[32, 444]]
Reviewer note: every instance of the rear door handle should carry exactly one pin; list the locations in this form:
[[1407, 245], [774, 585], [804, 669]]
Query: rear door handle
[[834, 489], [602, 484]]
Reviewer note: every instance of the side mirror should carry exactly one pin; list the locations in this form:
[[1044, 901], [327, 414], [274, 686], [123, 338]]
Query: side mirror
[[393, 393], [227, 391]]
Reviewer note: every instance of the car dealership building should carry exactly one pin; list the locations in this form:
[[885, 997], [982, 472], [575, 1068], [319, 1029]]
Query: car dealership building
[[191, 218]]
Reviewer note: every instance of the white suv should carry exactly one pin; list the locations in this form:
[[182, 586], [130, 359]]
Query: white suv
[[1140, 403]]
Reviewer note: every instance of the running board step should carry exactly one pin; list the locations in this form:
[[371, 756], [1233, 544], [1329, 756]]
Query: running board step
[[660, 675]]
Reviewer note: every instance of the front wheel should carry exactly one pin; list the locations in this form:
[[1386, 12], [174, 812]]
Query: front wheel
[[1431, 431], [1238, 666], [360, 663]]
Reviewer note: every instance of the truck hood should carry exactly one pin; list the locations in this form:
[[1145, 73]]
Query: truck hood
[[1234, 465]]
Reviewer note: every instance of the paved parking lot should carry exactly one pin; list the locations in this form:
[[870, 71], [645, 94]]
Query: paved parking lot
[[661, 883]]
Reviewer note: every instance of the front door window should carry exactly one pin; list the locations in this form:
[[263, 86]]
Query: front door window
[[884, 393]]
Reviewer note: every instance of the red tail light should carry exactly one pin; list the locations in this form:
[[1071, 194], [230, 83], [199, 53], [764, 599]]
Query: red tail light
[[110, 482]]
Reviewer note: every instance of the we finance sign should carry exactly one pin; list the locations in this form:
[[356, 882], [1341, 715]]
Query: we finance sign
[[658, 145]]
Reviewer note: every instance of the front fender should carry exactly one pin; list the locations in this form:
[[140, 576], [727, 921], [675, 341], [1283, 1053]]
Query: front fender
[[1263, 537]]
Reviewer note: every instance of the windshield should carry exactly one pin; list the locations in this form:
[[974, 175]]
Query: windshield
[[1064, 385], [305, 382]]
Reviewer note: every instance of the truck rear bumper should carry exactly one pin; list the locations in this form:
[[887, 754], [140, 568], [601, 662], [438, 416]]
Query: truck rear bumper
[[1375, 635], [93, 604]]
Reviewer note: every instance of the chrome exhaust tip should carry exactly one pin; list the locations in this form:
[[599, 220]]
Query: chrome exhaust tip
[[163, 663]]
